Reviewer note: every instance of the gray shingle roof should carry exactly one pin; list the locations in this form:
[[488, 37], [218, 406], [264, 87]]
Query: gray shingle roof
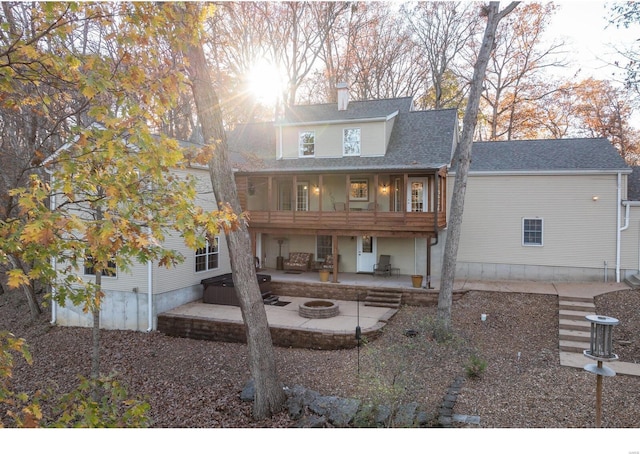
[[356, 110], [419, 140], [546, 156], [633, 184]]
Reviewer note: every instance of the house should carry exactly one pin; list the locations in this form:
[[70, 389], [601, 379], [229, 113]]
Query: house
[[547, 210], [354, 180], [363, 179], [360, 179], [134, 298]]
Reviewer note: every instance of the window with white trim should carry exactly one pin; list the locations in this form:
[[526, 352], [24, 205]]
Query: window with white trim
[[324, 246], [532, 229], [351, 142], [207, 256], [302, 196], [307, 144]]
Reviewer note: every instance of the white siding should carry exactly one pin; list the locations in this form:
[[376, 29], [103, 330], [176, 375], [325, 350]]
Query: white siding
[[578, 231], [328, 139]]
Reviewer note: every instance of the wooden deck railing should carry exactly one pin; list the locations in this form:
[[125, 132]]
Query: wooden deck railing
[[342, 220]]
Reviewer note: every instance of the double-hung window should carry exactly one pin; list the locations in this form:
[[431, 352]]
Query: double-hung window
[[207, 256], [324, 246], [351, 142], [307, 144], [532, 229]]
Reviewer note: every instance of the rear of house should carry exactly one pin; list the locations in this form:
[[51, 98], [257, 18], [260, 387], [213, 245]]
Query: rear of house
[[357, 180], [546, 210]]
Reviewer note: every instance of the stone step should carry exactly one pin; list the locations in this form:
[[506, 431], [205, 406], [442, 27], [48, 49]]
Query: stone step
[[576, 325], [382, 304], [573, 346], [575, 335], [577, 306], [383, 298], [574, 315]]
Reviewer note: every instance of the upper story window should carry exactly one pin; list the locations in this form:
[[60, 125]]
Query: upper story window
[[207, 257], [307, 143], [351, 142], [532, 232]]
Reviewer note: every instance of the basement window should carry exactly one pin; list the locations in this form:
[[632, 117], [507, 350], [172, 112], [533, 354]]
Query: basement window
[[532, 231]]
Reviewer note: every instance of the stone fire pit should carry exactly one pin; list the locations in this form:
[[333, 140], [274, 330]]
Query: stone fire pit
[[319, 309]]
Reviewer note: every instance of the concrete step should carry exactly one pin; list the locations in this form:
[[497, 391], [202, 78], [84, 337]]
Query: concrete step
[[573, 346], [574, 315], [575, 335], [584, 299], [633, 281], [577, 306], [575, 325]]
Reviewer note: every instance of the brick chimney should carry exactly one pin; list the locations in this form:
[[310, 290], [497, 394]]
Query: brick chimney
[[343, 95]]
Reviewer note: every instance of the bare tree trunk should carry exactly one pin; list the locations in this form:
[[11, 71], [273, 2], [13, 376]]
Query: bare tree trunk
[[463, 160], [269, 396]]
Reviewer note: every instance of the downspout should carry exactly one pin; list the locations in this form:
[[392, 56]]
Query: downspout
[[150, 295], [52, 206], [150, 285], [619, 228]]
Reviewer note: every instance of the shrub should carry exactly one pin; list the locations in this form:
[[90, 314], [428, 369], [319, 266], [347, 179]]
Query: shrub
[[475, 367]]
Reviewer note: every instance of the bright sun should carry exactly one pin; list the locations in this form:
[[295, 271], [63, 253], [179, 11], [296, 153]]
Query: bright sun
[[265, 82]]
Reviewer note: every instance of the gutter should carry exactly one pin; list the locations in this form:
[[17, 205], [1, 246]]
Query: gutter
[[343, 121]]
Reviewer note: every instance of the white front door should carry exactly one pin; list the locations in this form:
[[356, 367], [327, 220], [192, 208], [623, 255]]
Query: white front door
[[366, 254], [417, 195]]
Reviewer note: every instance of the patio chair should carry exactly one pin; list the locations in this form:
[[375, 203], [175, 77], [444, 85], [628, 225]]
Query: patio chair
[[383, 267], [328, 262], [373, 206], [339, 206]]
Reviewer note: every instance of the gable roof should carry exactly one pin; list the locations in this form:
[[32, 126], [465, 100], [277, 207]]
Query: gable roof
[[357, 110], [633, 184], [547, 156], [419, 140]]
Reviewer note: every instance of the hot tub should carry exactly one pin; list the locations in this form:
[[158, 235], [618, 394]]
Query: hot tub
[[220, 290]]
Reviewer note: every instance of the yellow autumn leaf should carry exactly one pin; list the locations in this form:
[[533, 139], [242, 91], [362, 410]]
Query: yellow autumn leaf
[[17, 278]]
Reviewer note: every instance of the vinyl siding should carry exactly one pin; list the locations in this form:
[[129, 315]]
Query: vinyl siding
[[578, 232], [328, 139], [183, 275]]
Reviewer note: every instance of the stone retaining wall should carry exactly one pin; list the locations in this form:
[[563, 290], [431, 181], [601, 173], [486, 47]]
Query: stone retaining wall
[[230, 331], [329, 290]]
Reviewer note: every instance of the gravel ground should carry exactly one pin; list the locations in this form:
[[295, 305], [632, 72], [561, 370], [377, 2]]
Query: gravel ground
[[191, 383]]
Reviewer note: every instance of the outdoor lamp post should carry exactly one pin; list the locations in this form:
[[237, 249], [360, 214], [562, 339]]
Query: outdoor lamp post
[[600, 349]]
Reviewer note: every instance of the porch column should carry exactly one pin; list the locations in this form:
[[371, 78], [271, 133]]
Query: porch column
[[334, 251]]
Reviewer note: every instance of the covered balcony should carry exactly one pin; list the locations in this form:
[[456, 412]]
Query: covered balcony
[[380, 204]]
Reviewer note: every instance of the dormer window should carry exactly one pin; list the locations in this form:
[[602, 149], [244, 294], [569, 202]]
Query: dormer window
[[307, 142], [351, 142]]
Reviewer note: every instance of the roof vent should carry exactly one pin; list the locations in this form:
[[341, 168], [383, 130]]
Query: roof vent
[[343, 95]]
